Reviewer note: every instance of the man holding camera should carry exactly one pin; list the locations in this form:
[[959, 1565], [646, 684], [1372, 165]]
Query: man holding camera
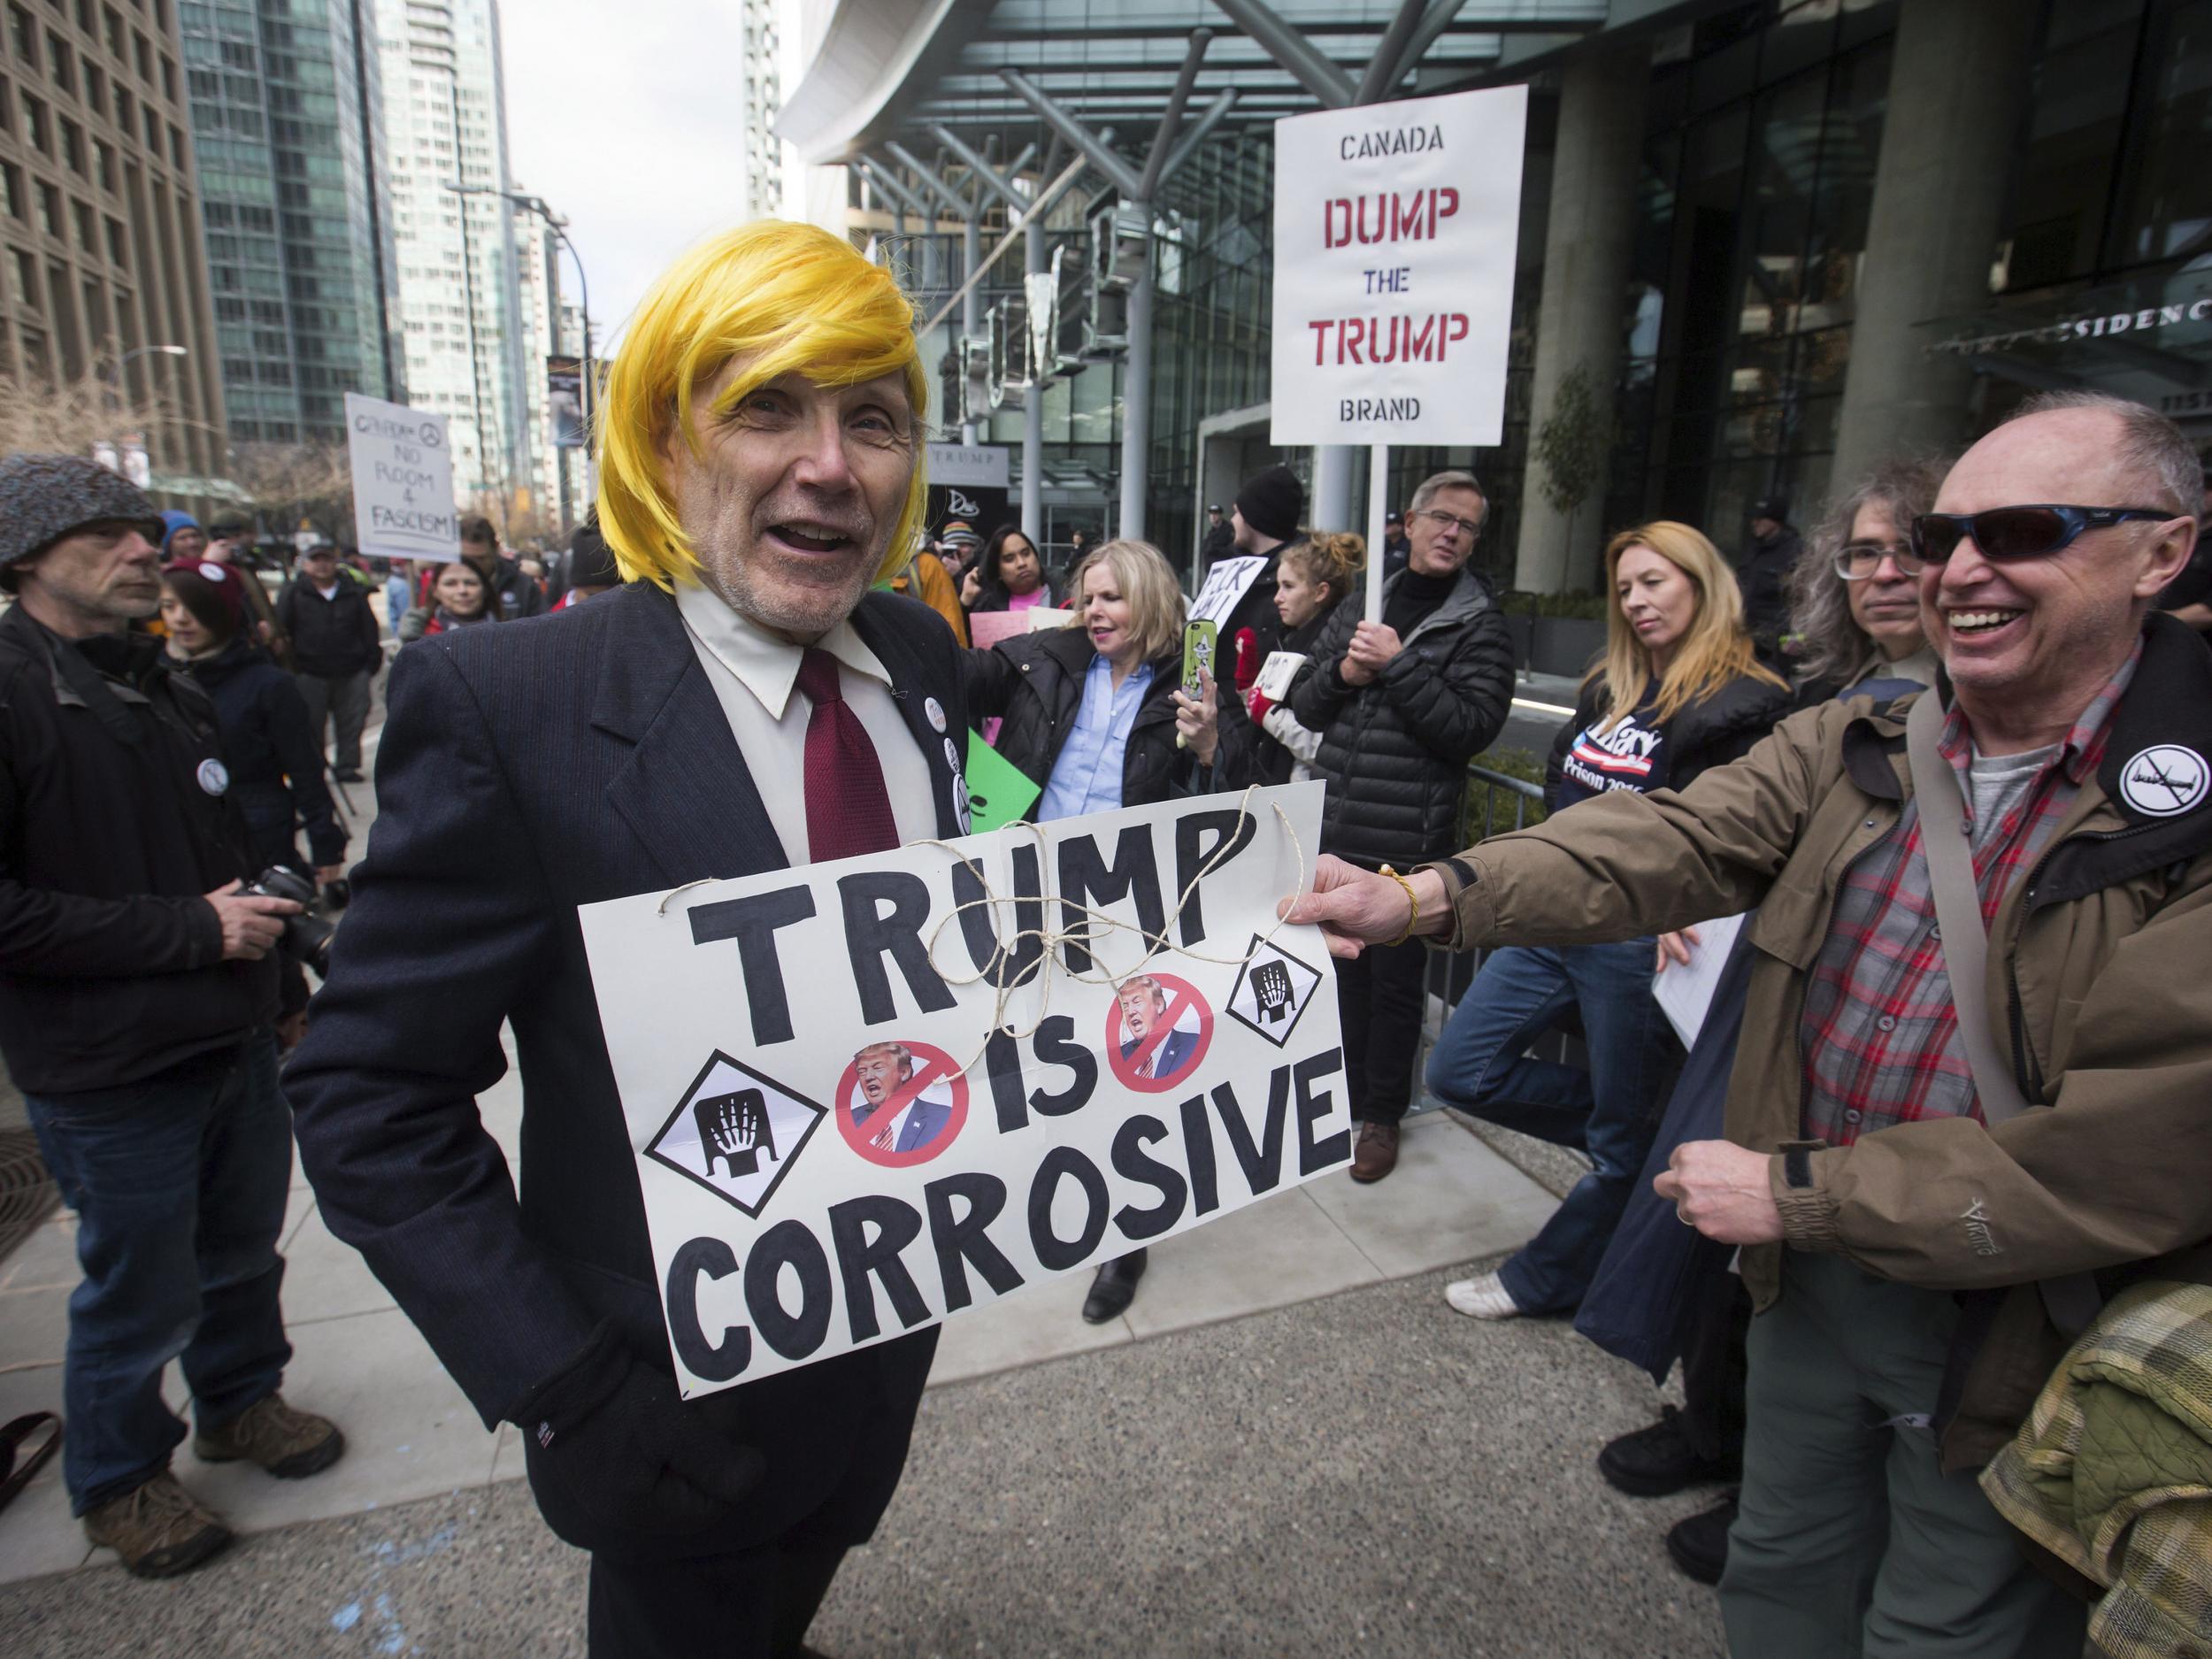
[[138, 989]]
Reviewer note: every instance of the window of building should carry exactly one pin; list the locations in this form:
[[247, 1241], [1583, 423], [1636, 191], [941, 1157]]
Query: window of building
[[87, 237], [145, 58], [34, 125], [103, 163], [49, 219], [84, 15], [125, 116], [96, 87], [12, 188], [118, 245], [115, 34], [7, 106], [23, 278], [23, 37], [169, 80], [2165, 209], [73, 147], [61, 63], [176, 143]]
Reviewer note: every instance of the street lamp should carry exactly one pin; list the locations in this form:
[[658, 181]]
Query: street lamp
[[558, 226], [123, 363]]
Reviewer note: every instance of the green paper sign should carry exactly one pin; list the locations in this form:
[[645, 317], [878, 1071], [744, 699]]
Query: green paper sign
[[999, 792]]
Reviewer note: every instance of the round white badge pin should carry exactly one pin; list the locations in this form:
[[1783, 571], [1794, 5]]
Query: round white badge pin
[[2165, 780], [214, 775], [952, 757], [936, 712], [210, 571]]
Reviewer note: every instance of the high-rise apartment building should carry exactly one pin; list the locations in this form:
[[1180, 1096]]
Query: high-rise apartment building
[[552, 327], [102, 270], [288, 120], [459, 295], [761, 102]]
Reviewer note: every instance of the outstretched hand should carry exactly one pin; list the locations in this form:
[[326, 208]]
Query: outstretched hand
[[1356, 907]]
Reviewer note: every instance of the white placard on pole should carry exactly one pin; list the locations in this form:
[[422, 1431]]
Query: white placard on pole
[[979, 466], [402, 482], [1395, 228], [1378, 511]]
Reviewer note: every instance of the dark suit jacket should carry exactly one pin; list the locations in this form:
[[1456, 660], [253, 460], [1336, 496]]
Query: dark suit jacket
[[1172, 1055], [524, 769]]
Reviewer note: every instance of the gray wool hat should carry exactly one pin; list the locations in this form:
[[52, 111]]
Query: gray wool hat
[[43, 497]]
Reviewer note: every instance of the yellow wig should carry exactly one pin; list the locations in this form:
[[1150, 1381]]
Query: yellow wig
[[797, 299]]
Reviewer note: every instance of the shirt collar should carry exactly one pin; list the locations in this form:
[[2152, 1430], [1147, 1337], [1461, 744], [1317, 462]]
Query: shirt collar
[[2085, 743], [1101, 668], [765, 663]]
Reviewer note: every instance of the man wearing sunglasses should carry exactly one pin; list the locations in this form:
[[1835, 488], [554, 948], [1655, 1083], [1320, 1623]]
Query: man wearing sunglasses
[[1919, 1260]]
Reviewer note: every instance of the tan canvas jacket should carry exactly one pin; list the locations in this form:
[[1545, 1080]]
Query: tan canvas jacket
[[2100, 977]]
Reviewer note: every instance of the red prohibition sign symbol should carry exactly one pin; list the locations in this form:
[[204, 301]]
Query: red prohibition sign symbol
[[940, 1117], [1169, 1054]]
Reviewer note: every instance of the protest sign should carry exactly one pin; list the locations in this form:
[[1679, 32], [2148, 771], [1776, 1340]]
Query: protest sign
[[999, 792], [1017, 1083], [1395, 225], [402, 482], [1227, 581]]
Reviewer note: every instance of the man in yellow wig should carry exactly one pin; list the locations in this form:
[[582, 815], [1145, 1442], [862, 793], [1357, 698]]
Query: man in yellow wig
[[743, 703]]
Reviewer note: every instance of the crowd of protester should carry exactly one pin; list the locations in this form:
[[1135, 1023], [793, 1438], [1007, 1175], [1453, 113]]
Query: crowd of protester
[[1741, 745]]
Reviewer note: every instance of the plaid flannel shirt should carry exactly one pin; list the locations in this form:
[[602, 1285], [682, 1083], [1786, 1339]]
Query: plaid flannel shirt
[[1879, 1035]]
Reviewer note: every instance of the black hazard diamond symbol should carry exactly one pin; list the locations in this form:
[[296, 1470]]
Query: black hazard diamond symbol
[[735, 1132], [1272, 991]]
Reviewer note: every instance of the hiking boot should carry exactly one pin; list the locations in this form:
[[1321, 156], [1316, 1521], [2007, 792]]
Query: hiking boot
[[1375, 1154], [159, 1529], [1699, 1544], [1650, 1462], [290, 1445]]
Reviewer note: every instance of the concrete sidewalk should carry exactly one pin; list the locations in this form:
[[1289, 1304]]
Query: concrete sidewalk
[[1366, 1473], [412, 1434]]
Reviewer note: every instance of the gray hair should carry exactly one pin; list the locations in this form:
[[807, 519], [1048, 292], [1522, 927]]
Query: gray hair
[[1820, 605], [2150, 446], [1435, 481]]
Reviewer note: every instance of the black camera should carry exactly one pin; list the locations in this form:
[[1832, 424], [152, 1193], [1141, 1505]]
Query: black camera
[[306, 936]]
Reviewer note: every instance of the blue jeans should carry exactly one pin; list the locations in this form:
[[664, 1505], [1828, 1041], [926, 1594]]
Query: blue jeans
[[178, 1184], [1610, 1112]]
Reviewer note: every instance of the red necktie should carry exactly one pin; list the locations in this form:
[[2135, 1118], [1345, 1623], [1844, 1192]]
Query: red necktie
[[847, 807]]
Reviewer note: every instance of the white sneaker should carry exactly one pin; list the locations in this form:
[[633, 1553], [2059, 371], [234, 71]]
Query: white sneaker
[[1484, 1298]]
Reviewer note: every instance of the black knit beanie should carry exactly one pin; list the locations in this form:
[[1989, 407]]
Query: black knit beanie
[[1273, 502]]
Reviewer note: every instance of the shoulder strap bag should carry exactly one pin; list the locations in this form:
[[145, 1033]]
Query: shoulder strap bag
[[2072, 1300]]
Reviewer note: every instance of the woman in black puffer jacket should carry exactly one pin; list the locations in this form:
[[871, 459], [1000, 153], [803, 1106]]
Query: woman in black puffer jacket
[[1092, 715], [1401, 708]]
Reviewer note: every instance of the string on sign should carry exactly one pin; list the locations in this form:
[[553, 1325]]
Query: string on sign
[[1091, 926]]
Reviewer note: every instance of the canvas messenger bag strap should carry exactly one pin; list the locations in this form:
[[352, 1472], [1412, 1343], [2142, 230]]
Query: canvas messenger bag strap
[[2072, 1302]]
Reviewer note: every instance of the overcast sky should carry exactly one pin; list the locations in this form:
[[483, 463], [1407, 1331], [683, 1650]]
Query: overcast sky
[[623, 114]]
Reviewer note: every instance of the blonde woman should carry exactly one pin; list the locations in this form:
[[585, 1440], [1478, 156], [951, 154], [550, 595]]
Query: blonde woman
[[1092, 715], [1680, 689]]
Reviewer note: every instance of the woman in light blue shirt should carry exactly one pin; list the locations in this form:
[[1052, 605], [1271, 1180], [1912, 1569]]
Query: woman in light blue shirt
[[1094, 716]]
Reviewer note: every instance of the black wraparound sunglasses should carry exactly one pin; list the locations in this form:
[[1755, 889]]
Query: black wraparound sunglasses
[[2019, 533]]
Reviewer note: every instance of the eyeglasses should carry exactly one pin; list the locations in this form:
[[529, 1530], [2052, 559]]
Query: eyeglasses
[[2019, 533], [1438, 516], [1859, 560]]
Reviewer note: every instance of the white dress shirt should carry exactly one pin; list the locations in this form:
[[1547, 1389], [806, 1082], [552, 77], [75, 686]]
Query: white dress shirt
[[754, 676]]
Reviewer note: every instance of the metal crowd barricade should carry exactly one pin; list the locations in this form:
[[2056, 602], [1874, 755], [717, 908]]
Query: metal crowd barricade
[[1450, 973]]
